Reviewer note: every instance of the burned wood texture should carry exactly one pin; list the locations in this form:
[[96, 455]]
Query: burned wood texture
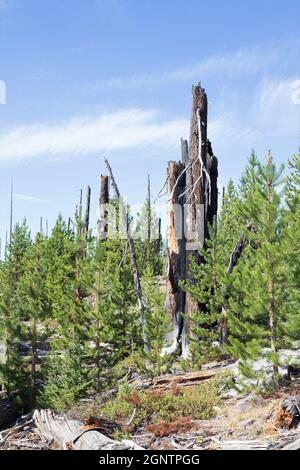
[[193, 378], [103, 201], [184, 151], [87, 211], [175, 297], [192, 205], [199, 198]]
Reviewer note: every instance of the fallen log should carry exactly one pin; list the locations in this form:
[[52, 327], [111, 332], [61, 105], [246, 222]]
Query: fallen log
[[182, 380], [292, 446], [70, 434], [243, 445], [190, 378]]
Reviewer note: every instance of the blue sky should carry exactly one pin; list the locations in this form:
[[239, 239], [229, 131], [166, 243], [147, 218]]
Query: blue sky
[[93, 78]]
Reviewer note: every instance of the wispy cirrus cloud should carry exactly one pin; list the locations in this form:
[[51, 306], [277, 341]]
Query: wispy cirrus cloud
[[243, 61], [272, 114], [31, 199], [108, 132]]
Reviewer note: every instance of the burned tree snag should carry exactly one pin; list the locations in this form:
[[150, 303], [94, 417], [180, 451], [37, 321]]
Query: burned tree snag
[[192, 185], [197, 195], [184, 151], [134, 265], [87, 211], [103, 201], [175, 297], [211, 194]]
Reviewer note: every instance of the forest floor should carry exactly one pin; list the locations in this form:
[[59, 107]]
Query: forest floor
[[236, 421]]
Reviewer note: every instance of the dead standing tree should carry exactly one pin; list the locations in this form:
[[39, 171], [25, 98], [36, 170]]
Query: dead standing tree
[[175, 297], [103, 201], [134, 265], [192, 185], [87, 211]]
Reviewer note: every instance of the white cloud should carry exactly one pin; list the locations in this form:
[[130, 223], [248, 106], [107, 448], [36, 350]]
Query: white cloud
[[272, 117], [276, 111], [31, 199], [241, 62], [130, 128]]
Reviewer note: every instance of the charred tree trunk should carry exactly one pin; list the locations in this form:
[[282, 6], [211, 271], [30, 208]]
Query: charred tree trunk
[[201, 196], [211, 195], [192, 189], [184, 151], [103, 201], [87, 211], [175, 297]]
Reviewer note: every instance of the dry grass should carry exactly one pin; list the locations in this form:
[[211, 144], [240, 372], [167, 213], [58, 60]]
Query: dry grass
[[165, 428]]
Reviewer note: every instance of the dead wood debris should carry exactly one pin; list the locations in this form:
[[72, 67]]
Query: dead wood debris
[[270, 422], [23, 436], [285, 414], [169, 381]]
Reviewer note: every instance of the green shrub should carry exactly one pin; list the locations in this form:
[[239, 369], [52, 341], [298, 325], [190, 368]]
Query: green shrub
[[155, 406]]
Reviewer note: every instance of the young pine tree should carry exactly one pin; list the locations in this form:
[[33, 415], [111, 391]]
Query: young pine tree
[[154, 361], [13, 371], [292, 245], [34, 313], [257, 312], [109, 318], [68, 277], [207, 289], [148, 238]]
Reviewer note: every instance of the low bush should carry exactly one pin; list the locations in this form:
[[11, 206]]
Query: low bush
[[133, 409]]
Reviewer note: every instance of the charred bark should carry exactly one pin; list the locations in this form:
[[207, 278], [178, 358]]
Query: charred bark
[[201, 196], [87, 211], [175, 297], [103, 201]]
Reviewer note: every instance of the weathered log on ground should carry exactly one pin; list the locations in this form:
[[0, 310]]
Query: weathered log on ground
[[242, 445], [168, 381], [292, 446], [192, 378], [8, 412], [71, 434]]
